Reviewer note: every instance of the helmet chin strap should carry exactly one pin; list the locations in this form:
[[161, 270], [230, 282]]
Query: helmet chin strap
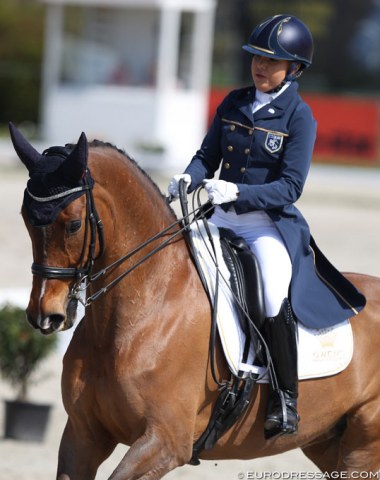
[[278, 88], [292, 74]]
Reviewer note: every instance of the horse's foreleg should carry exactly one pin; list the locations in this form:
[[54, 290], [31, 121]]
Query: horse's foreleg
[[80, 454], [151, 457], [360, 443], [357, 461], [324, 454]]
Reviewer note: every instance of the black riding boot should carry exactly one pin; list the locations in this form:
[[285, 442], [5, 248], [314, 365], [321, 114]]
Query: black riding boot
[[280, 334]]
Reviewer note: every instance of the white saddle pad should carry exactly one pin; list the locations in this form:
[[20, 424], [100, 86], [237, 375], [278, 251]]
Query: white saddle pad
[[321, 352]]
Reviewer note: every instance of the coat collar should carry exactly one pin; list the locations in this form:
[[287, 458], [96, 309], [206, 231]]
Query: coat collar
[[272, 110], [245, 101], [278, 105]]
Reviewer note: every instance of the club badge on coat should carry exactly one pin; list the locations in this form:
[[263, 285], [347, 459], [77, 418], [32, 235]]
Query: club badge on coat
[[273, 142]]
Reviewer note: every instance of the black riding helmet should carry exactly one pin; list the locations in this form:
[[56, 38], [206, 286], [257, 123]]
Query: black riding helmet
[[283, 37]]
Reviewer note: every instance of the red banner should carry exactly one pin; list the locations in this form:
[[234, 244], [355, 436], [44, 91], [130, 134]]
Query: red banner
[[348, 127]]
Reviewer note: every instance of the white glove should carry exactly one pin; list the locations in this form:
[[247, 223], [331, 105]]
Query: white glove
[[173, 187], [220, 191]]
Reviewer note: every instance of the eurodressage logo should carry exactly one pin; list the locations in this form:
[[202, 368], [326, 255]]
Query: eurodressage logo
[[282, 475], [273, 142]]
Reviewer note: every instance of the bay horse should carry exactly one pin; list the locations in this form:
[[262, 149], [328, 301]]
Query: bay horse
[[137, 371]]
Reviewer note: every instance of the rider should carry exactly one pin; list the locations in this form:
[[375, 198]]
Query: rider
[[262, 138]]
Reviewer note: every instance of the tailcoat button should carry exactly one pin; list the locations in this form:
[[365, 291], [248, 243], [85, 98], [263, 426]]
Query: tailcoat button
[[242, 169], [227, 165], [250, 131], [230, 148], [246, 151], [232, 127]]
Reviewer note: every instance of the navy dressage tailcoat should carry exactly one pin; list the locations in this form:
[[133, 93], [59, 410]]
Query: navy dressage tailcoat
[[268, 156]]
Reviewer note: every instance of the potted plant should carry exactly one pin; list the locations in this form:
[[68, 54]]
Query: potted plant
[[21, 351]]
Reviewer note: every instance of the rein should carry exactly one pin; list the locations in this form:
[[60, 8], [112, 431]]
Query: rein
[[214, 301], [89, 279], [94, 228]]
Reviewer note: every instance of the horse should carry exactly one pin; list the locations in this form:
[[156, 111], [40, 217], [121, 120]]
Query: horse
[[137, 371]]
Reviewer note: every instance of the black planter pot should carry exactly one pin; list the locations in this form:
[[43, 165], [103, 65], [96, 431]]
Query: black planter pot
[[26, 421]]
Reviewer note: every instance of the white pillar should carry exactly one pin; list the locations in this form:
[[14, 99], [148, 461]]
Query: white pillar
[[201, 58], [52, 58], [168, 48]]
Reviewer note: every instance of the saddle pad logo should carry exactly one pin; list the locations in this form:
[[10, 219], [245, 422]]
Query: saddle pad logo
[[273, 142]]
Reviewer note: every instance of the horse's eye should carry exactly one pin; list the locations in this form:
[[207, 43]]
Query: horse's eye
[[73, 226]]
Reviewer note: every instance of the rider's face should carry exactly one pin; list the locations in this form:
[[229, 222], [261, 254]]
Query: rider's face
[[268, 73]]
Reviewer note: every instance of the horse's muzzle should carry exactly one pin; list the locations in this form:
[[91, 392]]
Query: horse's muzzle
[[51, 322]]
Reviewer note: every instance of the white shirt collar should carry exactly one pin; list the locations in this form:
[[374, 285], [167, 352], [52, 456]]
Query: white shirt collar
[[262, 98]]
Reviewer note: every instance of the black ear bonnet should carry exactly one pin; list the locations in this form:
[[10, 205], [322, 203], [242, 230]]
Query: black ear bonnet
[[57, 177]]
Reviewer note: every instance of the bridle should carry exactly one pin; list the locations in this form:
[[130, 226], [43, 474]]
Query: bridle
[[83, 272], [93, 230]]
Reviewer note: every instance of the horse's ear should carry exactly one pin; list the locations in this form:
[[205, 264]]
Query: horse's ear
[[74, 167], [26, 153]]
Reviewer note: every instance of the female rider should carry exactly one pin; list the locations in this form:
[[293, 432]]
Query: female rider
[[262, 139]]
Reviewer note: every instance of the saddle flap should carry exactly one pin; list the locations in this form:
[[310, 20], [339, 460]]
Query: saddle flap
[[321, 352]]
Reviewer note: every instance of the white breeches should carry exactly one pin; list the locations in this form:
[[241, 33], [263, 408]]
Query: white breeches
[[263, 238]]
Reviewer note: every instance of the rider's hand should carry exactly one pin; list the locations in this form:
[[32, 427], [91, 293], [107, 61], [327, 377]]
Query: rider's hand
[[173, 187], [220, 191]]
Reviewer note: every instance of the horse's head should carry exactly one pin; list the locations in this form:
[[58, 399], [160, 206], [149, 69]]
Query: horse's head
[[58, 212]]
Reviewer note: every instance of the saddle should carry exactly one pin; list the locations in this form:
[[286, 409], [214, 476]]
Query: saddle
[[323, 352], [247, 287]]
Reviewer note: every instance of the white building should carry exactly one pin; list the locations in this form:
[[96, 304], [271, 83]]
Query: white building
[[131, 72]]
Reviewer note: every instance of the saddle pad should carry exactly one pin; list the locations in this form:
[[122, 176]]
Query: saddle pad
[[321, 352]]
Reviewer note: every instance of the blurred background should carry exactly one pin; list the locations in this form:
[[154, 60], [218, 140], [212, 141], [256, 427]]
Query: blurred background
[[147, 75]]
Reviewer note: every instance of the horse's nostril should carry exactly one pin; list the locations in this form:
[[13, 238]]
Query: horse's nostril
[[52, 322], [57, 319]]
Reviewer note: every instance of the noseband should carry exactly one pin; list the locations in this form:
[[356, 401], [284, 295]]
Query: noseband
[[83, 272], [93, 228]]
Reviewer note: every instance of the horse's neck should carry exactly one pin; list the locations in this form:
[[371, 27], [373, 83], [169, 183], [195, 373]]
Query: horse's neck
[[132, 204], [132, 211]]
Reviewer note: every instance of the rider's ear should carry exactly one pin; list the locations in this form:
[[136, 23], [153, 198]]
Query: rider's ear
[[26, 153], [75, 165]]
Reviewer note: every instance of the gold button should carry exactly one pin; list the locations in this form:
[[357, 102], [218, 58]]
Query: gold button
[[227, 165], [250, 132], [232, 127], [230, 148], [246, 151], [242, 169]]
